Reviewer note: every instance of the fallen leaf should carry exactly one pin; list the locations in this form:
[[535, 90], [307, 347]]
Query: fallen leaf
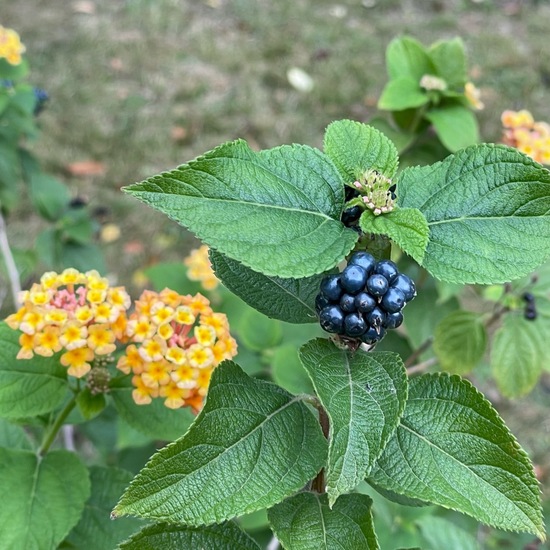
[[85, 168]]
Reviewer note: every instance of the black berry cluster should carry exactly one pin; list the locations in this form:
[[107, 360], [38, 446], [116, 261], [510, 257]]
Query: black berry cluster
[[365, 299], [530, 312]]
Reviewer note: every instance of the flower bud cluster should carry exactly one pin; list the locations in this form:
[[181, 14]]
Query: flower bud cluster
[[200, 269], [374, 189], [11, 47], [176, 342], [77, 313], [525, 134]]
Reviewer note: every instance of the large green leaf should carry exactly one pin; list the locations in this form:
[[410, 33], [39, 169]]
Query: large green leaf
[[28, 387], [95, 528], [290, 300], [459, 341], [518, 354], [402, 93], [306, 522], [155, 420], [488, 209], [449, 59], [43, 497], [48, 195], [212, 537], [452, 449], [252, 445], [13, 436], [355, 148], [405, 226], [455, 125], [258, 332], [276, 211], [441, 533], [364, 395], [407, 57]]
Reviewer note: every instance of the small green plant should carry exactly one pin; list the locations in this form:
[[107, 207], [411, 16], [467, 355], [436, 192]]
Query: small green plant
[[428, 88], [274, 222]]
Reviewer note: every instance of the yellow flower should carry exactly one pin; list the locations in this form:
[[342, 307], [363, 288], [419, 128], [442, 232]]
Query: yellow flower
[[153, 349], [141, 328], [527, 135], [73, 335], [200, 268], [46, 343], [78, 360], [101, 339], [175, 396], [473, 95], [131, 362], [200, 356], [11, 47], [142, 395], [26, 341], [155, 374]]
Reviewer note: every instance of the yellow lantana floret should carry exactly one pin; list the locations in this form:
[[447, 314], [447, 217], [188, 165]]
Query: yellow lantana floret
[[200, 269], [11, 48], [525, 134]]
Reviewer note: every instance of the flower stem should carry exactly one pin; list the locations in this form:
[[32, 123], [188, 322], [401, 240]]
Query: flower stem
[[50, 436]]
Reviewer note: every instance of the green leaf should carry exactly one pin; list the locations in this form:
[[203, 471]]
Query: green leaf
[[13, 72], [257, 332], [355, 148], [518, 354], [407, 227], [399, 137], [290, 300], [276, 211], [211, 537], [155, 420], [449, 59], [95, 528], [48, 195], [487, 208], [90, 405], [13, 436], [171, 275], [364, 396], [455, 125], [452, 449], [46, 497], [287, 370], [441, 533], [306, 522], [402, 93], [252, 445], [407, 57], [459, 341], [28, 387]]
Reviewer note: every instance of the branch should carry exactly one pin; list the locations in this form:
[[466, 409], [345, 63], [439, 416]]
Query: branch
[[11, 268]]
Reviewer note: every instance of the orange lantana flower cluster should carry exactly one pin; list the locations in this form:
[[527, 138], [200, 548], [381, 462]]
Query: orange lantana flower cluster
[[11, 48], [200, 268], [78, 313], [176, 342], [524, 133]]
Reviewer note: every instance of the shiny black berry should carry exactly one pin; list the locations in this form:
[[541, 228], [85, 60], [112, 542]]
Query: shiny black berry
[[331, 287], [373, 335], [321, 301], [393, 301], [354, 325], [331, 319], [388, 269], [394, 320], [347, 303], [377, 285], [406, 285], [353, 279], [530, 313], [351, 215], [364, 302], [364, 260], [528, 297], [376, 317]]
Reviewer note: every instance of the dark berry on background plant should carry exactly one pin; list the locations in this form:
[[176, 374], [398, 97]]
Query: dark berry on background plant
[[347, 303], [394, 320], [364, 260], [364, 302], [331, 319], [376, 317], [393, 301], [321, 301], [530, 313], [354, 325], [331, 287], [377, 285], [353, 279], [41, 98], [351, 215], [528, 297], [406, 285], [388, 269]]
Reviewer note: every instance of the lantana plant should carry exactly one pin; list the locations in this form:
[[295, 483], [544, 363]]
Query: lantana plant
[[274, 222]]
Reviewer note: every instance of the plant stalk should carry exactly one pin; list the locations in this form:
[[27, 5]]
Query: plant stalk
[[11, 268], [56, 426]]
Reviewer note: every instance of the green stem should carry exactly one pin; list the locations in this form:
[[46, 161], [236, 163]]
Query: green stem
[[50, 436]]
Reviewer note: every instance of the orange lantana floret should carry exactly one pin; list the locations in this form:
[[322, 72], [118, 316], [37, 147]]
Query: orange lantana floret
[[530, 137]]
